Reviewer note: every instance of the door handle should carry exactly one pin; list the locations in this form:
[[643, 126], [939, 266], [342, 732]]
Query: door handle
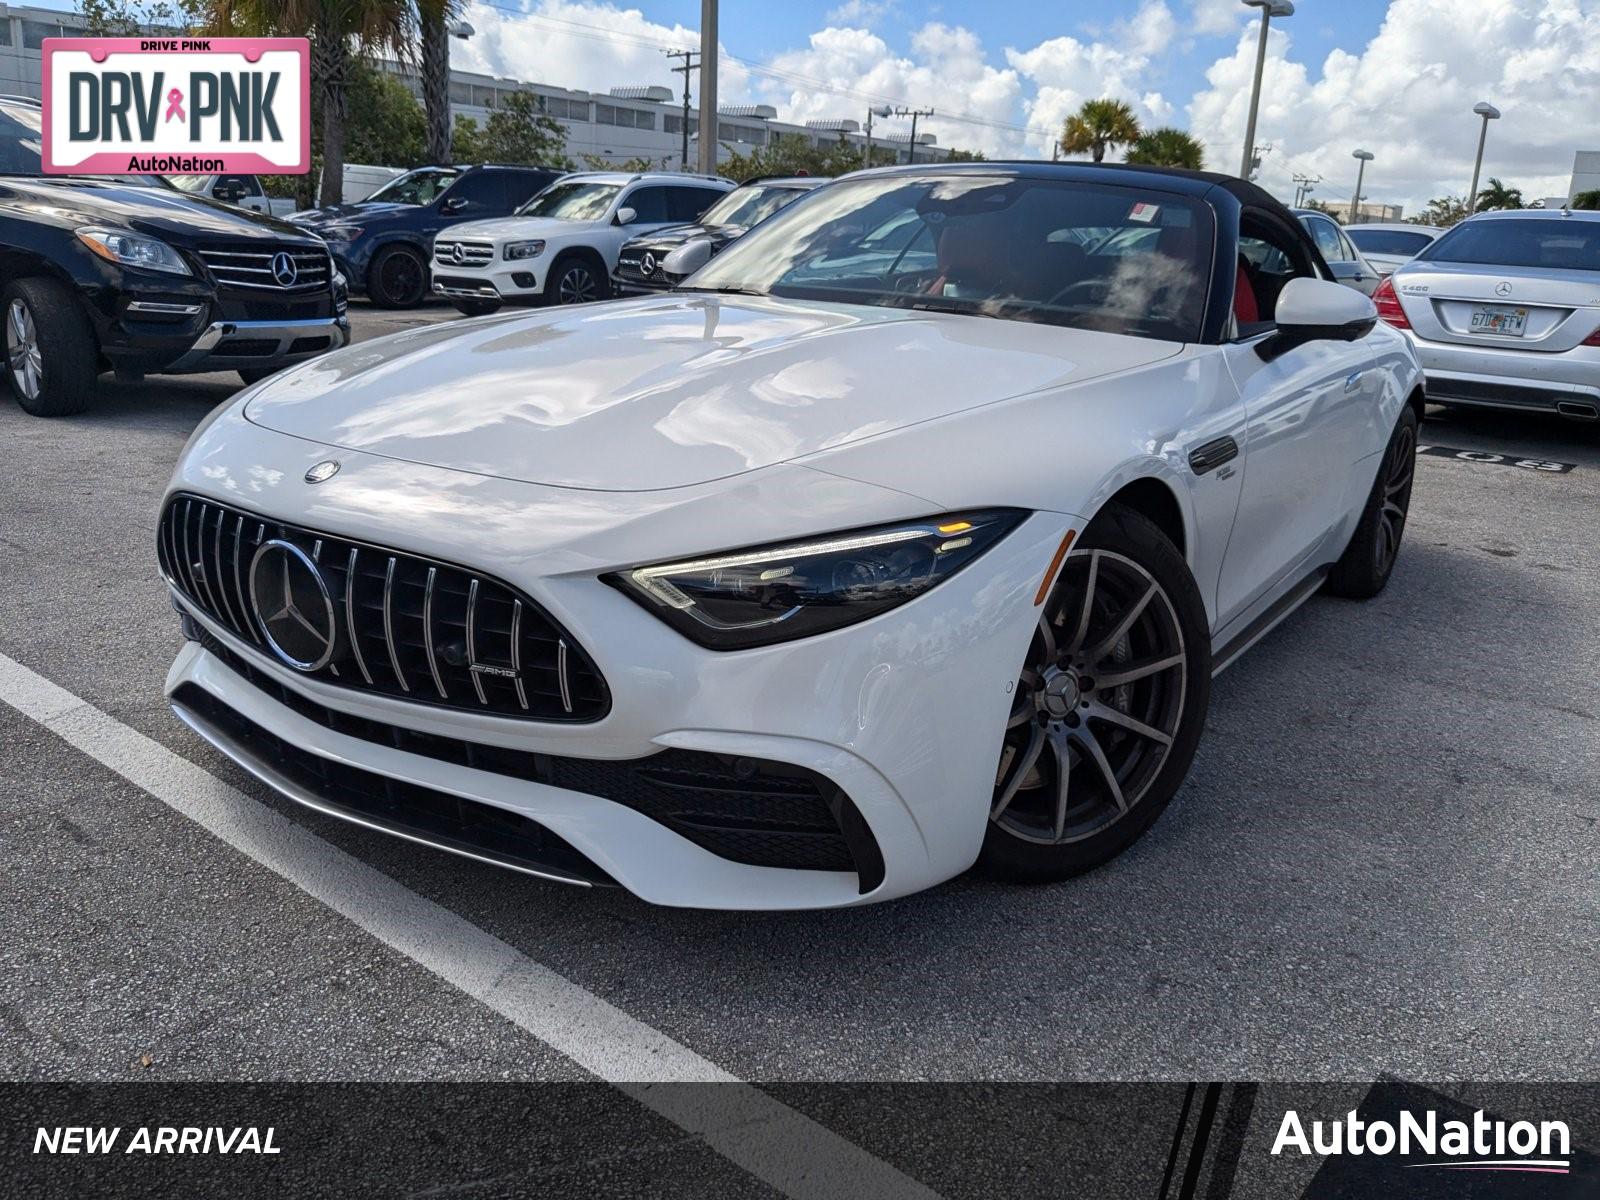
[[1213, 454]]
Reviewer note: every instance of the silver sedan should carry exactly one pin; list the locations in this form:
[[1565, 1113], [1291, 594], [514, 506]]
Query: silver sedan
[[1504, 312], [1389, 246]]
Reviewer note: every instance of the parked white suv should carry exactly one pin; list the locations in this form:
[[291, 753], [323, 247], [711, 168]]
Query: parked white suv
[[561, 247]]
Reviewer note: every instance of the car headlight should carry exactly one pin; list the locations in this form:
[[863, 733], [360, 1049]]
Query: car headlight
[[778, 593], [340, 233], [515, 250], [132, 250]]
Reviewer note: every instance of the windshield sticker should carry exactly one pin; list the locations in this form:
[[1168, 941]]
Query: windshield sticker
[[1144, 213]]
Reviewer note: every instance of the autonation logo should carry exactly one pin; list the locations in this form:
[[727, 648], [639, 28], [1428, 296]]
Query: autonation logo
[[1481, 1144]]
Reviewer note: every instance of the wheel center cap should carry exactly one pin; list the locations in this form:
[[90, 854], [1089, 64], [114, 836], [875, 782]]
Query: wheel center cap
[[1061, 694]]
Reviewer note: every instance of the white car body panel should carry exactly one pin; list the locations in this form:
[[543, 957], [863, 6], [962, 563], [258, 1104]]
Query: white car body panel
[[547, 449]]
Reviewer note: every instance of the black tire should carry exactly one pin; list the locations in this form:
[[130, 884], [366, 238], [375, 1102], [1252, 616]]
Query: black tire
[[1368, 561], [1119, 779], [475, 308], [52, 360], [397, 278], [565, 283], [257, 374]]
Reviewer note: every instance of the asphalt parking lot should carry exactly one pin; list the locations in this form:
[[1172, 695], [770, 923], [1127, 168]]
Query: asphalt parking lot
[[1384, 860]]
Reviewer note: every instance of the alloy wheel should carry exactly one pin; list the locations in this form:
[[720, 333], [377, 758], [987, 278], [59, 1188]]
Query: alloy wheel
[[1098, 705], [1398, 471], [577, 286], [22, 351], [402, 278]]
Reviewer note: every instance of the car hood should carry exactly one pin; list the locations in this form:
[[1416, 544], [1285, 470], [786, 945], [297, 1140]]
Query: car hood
[[520, 227], [168, 214], [678, 235], [337, 214], [672, 390]]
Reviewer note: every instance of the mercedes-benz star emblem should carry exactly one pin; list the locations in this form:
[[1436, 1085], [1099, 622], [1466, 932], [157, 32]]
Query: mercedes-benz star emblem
[[458, 253], [1502, 289], [283, 269], [323, 471], [647, 264], [293, 605]]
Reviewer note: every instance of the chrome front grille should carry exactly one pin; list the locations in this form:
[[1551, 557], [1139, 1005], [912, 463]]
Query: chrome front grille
[[405, 626], [456, 253], [256, 268]]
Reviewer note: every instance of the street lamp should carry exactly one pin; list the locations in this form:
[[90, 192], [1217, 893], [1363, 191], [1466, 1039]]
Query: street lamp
[[881, 110], [1269, 9], [461, 29], [1489, 113], [1365, 156]]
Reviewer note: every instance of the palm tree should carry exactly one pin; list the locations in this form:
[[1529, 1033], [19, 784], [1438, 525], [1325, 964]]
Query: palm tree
[[434, 18], [340, 31], [1098, 126], [1168, 147], [1498, 195]]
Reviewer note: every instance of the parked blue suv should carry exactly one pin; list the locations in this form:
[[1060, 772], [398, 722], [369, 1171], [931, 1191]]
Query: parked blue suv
[[383, 244]]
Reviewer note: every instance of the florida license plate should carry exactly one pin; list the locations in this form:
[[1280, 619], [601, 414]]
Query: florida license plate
[[1499, 320]]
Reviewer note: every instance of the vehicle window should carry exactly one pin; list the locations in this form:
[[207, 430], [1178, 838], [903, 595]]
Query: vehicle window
[[22, 147], [1388, 241], [482, 190], [750, 205], [1326, 234], [1561, 242], [189, 183], [524, 185], [246, 183], [650, 203], [987, 245], [1269, 257], [1347, 250], [572, 201], [422, 186], [690, 203]]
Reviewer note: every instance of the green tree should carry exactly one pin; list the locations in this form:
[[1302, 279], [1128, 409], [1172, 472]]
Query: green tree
[[387, 126], [1099, 126], [965, 156], [1587, 201], [130, 18], [1443, 212], [1168, 147], [1498, 196], [796, 154], [342, 33], [517, 131], [1322, 206]]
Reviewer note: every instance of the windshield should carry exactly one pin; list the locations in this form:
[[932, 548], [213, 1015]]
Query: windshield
[[1387, 241], [1559, 243], [1119, 259], [572, 201], [22, 150], [416, 187], [189, 183], [750, 205]]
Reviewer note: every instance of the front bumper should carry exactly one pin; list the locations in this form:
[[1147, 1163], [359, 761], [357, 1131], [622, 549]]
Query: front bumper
[[1567, 383], [904, 713], [523, 279], [236, 345]]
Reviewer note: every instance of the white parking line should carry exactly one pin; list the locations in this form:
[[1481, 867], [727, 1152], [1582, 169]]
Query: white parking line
[[771, 1141]]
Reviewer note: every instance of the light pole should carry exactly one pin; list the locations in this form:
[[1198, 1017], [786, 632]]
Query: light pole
[[1269, 9], [913, 113], [1489, 113], [708, 87], [882, 110], [1365, 156]]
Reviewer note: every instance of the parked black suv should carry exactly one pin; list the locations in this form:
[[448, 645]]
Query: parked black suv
[[383, 243], [641, 264], [129, 274]]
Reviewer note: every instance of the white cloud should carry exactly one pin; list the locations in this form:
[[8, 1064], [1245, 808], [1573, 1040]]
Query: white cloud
[[1065, 72], [863, 14], [1216, 17], [1408, 96]]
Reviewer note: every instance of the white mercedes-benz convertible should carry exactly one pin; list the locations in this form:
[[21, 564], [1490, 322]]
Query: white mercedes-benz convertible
[[907, 535]]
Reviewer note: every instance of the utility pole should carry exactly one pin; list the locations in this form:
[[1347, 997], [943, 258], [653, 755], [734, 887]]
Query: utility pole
[[881, 110], [913, 113], [708, 87], [689, 64]]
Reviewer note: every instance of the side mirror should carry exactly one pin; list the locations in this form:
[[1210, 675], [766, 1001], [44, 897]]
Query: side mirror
[[626, 216], [228, 193], [687, 258], [454, 204], [1316, 310]]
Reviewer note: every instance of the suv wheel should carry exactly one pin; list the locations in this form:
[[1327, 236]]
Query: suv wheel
[[1109, 708], [397, 278], [575, 279], [51, 356]]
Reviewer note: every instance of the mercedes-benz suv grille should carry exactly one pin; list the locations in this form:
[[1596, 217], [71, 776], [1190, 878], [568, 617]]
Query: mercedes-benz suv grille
[[286, 270], [390, 622], [462, 254]]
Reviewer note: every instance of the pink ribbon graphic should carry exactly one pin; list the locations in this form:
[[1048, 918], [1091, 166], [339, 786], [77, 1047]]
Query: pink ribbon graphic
[[175, 105]]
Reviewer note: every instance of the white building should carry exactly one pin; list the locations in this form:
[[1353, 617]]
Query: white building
[[1585, 172]]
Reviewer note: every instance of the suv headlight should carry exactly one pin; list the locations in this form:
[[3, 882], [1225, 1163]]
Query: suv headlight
[[340, 233], [132, 250], [516, 250], [779, 593]]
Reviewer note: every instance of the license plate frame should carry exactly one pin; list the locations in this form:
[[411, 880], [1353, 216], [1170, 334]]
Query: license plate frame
[[1498, 320]]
